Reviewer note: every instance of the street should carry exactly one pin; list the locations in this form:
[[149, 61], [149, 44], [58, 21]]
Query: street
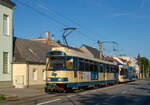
[[131, 93]]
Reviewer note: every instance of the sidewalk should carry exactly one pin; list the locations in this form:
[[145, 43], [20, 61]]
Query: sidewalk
[[22, 93]]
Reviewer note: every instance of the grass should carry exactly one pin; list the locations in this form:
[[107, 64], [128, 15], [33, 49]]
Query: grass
[[2, 97]]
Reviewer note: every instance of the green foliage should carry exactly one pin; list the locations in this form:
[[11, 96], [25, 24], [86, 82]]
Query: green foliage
[[58, 41], [144, 65], [2, 97]]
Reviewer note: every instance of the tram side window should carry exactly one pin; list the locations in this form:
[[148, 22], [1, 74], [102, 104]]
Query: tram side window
[[75, 64], [104, 68], [114, 69], [91, 67], [126, 72], [70, 63], [101, 67], [122, 71], [111, 68], [75, 68], [95, 67], [107, 68], [87, 66], [81, 66]]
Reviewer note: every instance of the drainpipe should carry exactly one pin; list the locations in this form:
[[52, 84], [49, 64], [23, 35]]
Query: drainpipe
[[27, 75]]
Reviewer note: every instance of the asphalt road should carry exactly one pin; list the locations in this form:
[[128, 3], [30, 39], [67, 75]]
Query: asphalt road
[[132, 93]]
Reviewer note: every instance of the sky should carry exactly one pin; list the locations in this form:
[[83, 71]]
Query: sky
[[126, 22]]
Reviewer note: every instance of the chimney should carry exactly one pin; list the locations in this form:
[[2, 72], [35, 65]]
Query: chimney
[[47, 35]]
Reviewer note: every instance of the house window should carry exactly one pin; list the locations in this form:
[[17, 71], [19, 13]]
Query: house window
[[44, 74], [6, 24], [5, 62], [34, 74]]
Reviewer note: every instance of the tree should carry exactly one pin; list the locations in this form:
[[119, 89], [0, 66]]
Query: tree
[[58, 41], [144, 66]]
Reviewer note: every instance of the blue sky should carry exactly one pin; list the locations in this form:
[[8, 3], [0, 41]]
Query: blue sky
[[124, 21]]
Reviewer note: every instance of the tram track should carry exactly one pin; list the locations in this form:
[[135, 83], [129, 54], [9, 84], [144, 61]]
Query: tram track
[[34, 100]]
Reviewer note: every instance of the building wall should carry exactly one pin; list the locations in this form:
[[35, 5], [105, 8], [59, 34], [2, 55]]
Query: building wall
[[19, 74], [23, 75], [40, 69], [6, 46]]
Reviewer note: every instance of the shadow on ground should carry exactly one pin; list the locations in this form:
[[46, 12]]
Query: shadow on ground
[[106, 99]]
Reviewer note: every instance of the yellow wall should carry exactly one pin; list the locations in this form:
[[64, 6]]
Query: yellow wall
[[39, 69], [19, 70]]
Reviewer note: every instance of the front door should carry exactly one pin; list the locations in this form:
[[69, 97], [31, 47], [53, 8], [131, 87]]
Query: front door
[[19, 80]]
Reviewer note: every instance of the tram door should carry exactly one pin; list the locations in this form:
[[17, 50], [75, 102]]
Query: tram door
[[76, 76]]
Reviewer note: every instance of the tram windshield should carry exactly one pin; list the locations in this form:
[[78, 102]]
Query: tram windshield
[[56, 63]]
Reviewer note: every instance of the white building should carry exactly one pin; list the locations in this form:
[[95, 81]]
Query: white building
[[6, 42], [127, 60]]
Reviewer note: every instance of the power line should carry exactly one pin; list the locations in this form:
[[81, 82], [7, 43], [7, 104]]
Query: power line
[[58, 22], [47, 16], [86, 36], [53, 10], [69, 19], [41, 13], [74, 22]]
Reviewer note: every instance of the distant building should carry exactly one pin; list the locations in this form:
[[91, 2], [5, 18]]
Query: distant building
[[29, 62], [6, 42]]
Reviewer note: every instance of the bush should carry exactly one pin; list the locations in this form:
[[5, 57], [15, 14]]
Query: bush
[[2, 97]]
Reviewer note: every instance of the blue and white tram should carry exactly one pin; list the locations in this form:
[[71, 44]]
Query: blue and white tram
[[73, 69], [126, 73]]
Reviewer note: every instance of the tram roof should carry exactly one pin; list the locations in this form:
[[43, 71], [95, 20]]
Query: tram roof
[[126, 66], [70, 51]]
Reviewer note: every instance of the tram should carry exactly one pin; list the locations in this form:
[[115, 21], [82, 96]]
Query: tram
[[71, 68], [126, 73]]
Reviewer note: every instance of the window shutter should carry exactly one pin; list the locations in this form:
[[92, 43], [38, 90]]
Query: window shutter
[[5, 62]]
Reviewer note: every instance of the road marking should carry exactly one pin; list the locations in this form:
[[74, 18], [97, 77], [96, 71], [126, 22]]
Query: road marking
[[71, 96], [53, 100], [48, 102]]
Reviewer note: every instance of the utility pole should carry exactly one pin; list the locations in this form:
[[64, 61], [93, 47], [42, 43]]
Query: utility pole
[[100, 50], [143, 71], [140, 67], [100, 47]]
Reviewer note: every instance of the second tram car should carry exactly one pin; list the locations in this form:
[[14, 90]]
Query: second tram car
[[126, 73]]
